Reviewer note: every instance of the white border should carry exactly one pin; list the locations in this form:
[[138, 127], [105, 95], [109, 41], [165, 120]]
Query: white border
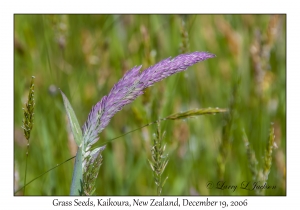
[[8, 8]]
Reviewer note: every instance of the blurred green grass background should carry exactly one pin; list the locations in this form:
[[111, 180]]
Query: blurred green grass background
[[85, 55]]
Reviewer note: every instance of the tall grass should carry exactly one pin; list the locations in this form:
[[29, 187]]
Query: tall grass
[[85, 55], [28, 121]]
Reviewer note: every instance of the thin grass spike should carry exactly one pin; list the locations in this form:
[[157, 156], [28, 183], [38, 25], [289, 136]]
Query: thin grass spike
[[268, 154], [28, 121], [159, 160]]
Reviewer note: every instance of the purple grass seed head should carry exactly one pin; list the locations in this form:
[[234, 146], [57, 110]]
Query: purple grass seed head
[[130, 86]]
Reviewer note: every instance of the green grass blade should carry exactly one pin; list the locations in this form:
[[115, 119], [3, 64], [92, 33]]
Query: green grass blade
[[76, 186], [194, 113], [76, 129]]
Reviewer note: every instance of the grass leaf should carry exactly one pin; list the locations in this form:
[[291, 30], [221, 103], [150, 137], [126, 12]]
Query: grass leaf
[[76, 129]]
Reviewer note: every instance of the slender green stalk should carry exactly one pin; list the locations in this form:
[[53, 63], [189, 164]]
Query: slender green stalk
[[76, 185], [28, 121]]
